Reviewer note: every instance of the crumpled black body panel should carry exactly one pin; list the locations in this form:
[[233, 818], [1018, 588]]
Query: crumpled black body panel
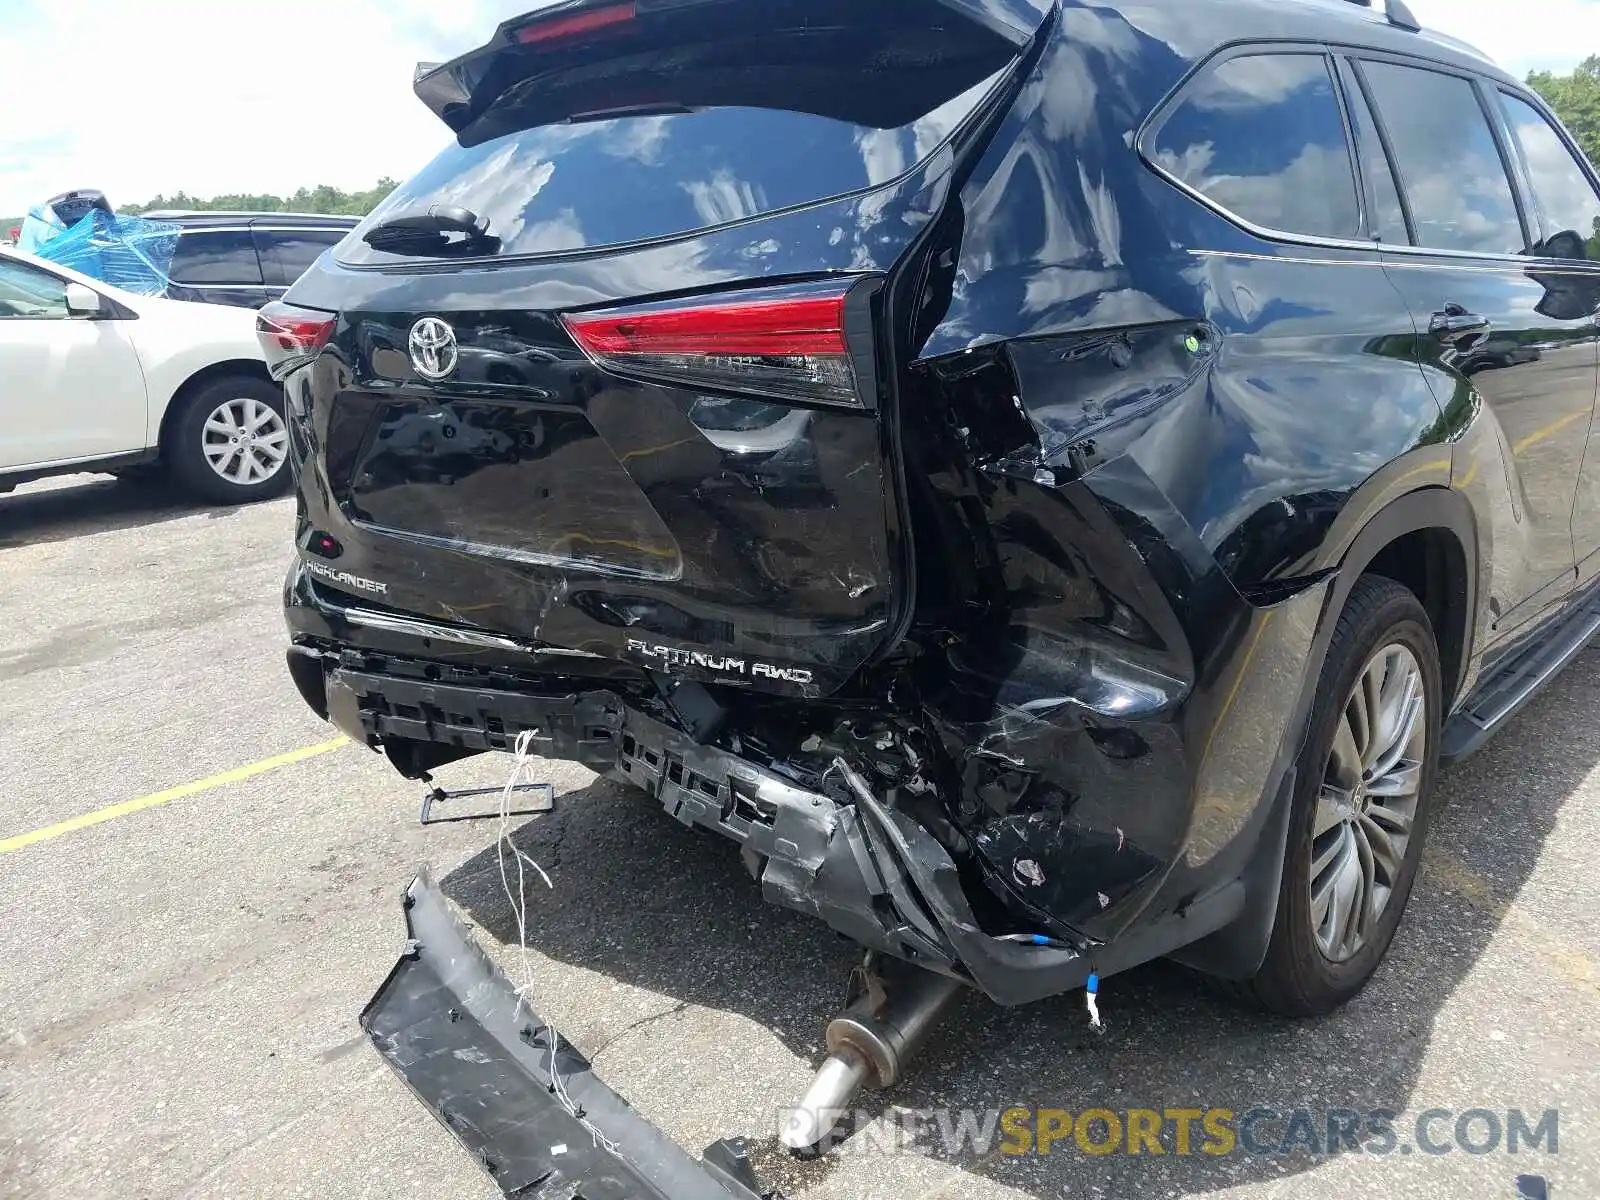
[[452, 1027], [1064, 596]]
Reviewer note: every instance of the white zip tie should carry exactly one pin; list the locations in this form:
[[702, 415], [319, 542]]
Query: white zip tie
[[1090, 990], [519, 906]]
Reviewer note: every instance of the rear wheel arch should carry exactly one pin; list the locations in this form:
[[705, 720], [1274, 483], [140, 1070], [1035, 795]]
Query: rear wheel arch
[[1427, 541], [1440, 522], [1382, 626], [247, 368], [225, 436]]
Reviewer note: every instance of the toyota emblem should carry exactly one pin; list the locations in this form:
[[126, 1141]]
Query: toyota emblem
[[433, 348]]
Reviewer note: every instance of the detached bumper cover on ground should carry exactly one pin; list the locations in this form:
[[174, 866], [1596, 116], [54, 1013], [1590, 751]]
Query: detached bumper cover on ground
[[450, 1024]]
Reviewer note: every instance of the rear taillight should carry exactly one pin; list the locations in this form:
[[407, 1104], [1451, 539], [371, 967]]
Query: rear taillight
[[789, 344], [291, 336]]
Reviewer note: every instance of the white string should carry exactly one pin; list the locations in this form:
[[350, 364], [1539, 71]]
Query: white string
[[522, 772]]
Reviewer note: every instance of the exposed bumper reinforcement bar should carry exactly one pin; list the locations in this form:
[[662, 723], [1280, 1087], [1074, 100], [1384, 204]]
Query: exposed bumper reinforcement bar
[[868, 871], [451, 1026]]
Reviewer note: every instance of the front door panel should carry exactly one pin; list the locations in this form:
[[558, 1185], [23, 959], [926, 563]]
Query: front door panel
[[73, 388]]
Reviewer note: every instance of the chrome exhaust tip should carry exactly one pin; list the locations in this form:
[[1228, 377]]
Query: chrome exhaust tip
[[869, 1045]]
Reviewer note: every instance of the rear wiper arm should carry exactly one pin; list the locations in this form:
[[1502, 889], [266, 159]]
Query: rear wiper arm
[[654, 108], [442, 230]]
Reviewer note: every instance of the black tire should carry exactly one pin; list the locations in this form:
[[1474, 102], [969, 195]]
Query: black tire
[[184, 448], [1299, 978]]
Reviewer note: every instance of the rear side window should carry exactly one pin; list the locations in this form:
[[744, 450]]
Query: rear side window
[[1568, 209], [1448, 160], [288, 254], [1262, 137], [220, 256], [685, 119]]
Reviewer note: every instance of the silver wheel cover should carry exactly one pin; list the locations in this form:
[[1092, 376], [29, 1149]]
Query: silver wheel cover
[[245, 441], [1367, 805]]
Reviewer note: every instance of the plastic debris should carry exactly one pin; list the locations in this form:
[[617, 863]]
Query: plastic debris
[[80, 231]]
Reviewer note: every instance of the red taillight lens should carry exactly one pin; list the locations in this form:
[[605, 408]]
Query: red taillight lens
[[557, 29], [791, 345], [290, 336]]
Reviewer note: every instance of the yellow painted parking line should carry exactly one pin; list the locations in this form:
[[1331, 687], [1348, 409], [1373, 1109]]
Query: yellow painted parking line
[[112, 811], [1549, 431]]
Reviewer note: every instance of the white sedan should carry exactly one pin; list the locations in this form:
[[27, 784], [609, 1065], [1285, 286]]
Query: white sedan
[[97, 379]]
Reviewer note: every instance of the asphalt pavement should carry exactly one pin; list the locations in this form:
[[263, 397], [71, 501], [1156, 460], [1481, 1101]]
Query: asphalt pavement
[[180, 975]]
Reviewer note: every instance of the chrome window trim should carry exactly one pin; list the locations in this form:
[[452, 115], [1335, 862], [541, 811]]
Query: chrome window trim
[[1517, 266], [190, 230], [417, 627], [341, 230], [1152, 124], [1157, 120], [230, 287], [1262, 231]]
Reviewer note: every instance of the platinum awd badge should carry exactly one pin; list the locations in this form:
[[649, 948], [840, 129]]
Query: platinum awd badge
[[344, 578], [722, 664]]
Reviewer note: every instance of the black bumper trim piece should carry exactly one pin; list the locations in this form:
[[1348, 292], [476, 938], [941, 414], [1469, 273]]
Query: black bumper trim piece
[[451, 1026]]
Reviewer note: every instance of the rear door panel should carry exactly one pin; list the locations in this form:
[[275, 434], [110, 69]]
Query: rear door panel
[[1528, 359]]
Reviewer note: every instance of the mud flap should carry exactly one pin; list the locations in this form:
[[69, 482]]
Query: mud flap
[[450, 1024]]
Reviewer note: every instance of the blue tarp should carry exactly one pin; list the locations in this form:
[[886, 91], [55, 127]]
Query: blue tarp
[[130, 253]]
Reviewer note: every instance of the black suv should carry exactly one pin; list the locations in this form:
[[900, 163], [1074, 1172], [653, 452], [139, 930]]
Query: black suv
[[246, 258], [1051, 480]]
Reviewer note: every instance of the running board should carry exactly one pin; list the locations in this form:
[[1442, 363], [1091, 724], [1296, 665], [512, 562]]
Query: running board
[[1504, 693], [522, 1100]]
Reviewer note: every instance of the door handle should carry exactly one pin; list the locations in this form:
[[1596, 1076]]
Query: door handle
[[1455, 324]]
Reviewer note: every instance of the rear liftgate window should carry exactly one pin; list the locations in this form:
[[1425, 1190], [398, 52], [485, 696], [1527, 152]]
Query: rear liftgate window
[[648, 124]]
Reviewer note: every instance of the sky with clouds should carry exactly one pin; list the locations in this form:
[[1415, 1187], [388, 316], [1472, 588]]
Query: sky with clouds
[[242, 96]]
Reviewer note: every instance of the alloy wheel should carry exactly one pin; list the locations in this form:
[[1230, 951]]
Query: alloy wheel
[[245, 441], [1367, 805]]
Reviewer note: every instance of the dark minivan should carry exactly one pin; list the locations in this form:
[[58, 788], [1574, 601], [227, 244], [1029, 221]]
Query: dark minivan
[[1050, 480], [246, 259]]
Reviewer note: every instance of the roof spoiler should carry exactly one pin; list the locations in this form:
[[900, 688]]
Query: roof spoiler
[[460, 90]]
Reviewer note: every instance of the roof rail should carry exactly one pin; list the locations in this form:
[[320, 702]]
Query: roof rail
[[1398, 12], [251, 213]]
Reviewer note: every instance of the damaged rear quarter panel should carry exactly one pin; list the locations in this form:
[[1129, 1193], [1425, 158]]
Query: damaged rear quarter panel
[[1162, 428]]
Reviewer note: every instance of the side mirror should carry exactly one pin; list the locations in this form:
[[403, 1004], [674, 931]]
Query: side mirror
[[84, 301]]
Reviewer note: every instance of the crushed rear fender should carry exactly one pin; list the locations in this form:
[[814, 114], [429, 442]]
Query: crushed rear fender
[[451, 1026]]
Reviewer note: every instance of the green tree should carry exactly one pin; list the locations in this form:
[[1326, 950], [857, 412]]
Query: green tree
[[1576, 99], [319, 199]]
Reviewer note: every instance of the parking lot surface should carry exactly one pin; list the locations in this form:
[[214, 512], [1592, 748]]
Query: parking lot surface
[[180, 981]]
